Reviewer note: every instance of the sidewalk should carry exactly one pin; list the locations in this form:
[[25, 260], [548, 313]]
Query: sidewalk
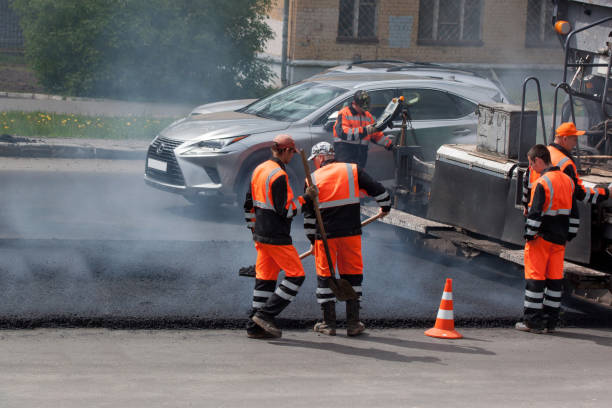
[[15, 146]]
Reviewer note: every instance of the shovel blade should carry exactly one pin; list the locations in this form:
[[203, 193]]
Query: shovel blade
[[343, 290]]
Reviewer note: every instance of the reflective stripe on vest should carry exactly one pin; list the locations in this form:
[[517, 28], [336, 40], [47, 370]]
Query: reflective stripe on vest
[[331, 181], [560, 205], [267, 203], [261, 190]]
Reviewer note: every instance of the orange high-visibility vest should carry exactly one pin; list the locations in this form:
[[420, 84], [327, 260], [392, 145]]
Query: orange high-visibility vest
[[558, 200], [264, 176], [337, 183], [559, 159]]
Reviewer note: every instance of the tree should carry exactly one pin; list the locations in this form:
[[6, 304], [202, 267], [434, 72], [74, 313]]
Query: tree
[[190, 50]]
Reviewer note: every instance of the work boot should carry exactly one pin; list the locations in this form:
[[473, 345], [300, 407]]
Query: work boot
[[328, 325], [257, 332], [523, 327], [267, 323], [353, 326]]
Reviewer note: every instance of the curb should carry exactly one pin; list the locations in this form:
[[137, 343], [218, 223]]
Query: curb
[[36, 148]]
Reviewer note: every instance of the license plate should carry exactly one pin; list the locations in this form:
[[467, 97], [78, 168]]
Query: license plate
[[157, 165]]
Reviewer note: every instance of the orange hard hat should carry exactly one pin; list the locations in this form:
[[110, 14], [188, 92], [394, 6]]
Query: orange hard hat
[[284, 141], [568, 129]]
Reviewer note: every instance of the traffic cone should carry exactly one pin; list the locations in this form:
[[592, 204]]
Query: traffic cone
[[445, 321]]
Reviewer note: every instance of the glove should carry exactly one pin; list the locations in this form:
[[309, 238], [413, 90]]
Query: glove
[[312, 192], [370, 129], [389, 145]]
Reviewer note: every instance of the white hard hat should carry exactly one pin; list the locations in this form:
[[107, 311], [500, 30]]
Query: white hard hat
[[321, 148]]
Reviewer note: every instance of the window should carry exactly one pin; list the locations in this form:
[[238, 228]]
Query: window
[[357, 20], [378, 102], [294, 102], [540, 32], [434, 104], [449, 22]]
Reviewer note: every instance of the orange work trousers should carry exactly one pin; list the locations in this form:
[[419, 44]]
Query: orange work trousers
[[344, 251], [272, 258], [543, 259]]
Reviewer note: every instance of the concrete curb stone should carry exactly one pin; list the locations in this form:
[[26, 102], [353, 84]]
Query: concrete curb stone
[[76, 149]]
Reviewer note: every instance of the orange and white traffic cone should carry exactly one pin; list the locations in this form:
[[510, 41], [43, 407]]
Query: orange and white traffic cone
[[445, 321]]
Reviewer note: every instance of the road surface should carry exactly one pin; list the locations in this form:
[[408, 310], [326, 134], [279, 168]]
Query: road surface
[[86, 242], [385, 368]]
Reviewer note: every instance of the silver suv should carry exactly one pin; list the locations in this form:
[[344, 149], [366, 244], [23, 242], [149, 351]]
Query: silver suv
[[213, 154]]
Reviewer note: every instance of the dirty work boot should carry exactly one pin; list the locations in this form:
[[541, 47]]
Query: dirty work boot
[[328, 325], [267, 323], [257, 332], [523, 327], [353, 326]]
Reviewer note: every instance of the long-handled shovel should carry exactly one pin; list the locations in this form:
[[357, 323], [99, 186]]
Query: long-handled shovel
[[341, 287], [249, 271]]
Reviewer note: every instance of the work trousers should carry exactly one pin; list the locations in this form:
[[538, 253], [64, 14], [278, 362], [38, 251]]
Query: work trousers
[[543, 283], [345, 254], [267, 298]]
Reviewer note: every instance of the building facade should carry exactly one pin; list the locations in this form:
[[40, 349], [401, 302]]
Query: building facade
[[504, 34]]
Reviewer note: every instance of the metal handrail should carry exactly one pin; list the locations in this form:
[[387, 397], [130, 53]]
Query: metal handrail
[[523, 112], [572, 34]]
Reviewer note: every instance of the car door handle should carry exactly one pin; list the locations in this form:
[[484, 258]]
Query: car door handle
[[462, 132]]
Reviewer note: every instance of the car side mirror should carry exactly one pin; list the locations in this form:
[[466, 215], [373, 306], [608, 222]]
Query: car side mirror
[[331, 121]]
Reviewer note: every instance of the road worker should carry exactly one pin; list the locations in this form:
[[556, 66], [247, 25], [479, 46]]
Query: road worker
[[338, 185], [354, 129], [566, 138], [269, 209], [552, 220]]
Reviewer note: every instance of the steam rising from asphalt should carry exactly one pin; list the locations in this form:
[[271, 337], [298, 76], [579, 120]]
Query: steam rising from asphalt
[[104, 245]]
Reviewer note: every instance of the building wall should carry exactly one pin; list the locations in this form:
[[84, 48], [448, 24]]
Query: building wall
[[314, 28]]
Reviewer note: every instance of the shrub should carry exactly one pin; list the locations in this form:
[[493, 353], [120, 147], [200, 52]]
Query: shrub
[[189, 50]]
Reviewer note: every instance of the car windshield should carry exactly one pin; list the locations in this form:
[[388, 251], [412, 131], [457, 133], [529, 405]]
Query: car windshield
[[294, 102]]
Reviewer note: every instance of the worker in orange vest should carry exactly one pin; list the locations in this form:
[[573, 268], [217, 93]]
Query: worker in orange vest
[[269, 209], [566, 138], [339, 185], [552, 220], [354, 129]]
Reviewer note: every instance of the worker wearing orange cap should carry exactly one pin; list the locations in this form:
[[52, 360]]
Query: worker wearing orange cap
[[566, 138], [269, 209]]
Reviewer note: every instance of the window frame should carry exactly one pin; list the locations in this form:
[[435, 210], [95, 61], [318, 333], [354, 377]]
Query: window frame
[[542, 27], [434, 41], [355, 38]]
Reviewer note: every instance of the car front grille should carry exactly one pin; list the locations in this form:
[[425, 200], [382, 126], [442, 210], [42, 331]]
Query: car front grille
[[163, 149]]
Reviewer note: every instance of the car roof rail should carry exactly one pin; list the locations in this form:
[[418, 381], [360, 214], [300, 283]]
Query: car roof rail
[[384, 61], [431, 66]]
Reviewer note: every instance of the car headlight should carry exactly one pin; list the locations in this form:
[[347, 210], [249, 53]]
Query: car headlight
[[212, 145]]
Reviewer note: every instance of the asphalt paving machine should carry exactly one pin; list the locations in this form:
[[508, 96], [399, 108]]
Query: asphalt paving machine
[[468, 201]]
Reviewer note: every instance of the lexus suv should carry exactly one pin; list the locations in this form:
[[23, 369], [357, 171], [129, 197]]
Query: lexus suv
[[212, 154]]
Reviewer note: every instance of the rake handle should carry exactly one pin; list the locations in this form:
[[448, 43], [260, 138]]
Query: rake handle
[[315, 203]]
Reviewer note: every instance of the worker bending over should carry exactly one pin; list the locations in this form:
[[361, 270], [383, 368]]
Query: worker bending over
[[269, 209], [338, 185], [552, 220], [566, 138], [354, 129]]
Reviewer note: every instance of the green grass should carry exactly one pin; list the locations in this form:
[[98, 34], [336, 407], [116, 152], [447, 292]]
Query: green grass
[[12, 59], [55, 125]]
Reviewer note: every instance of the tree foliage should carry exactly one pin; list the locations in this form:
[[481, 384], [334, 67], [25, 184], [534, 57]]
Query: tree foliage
[[191, 50]]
